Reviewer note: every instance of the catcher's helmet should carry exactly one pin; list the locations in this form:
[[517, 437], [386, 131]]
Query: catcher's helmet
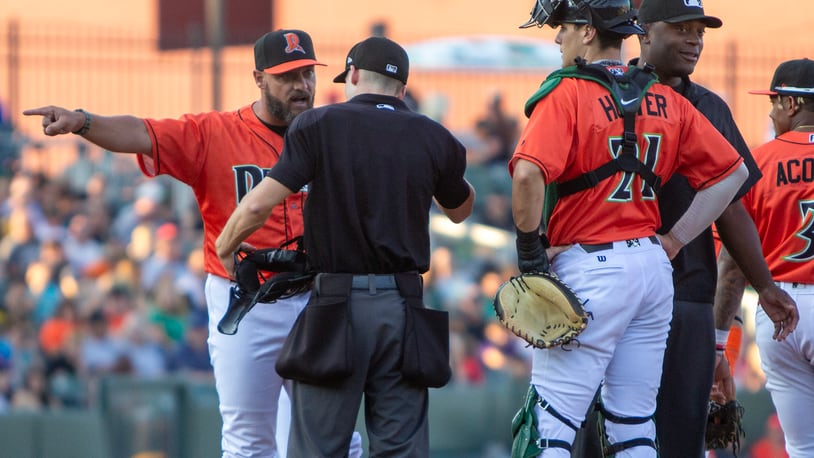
[[612, 16]]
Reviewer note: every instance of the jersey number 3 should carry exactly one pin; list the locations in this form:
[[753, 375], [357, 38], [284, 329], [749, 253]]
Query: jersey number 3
[[806, 233]]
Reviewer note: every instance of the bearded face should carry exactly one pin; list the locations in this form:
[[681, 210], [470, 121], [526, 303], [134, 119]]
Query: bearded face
[[288, 94]]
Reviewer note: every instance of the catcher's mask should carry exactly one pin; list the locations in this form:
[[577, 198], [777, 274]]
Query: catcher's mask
[[611, 16]]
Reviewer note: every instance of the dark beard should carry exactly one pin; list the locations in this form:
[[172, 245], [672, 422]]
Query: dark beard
[[279, 110]]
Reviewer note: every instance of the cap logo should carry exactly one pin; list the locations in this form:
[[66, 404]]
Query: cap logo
[[292, 43], [693, 3], [391, 68]]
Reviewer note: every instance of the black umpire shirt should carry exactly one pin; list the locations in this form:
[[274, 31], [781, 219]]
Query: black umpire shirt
[[695, 270], [373, 166]]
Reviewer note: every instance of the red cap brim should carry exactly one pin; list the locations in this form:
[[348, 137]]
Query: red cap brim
[[291, 65], [763, 92]]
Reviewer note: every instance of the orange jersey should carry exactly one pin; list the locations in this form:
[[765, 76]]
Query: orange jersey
[[221, 156], [782, 205], [576, 128]]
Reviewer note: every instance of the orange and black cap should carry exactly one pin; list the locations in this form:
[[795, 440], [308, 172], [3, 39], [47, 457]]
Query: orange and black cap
[[284, 50]]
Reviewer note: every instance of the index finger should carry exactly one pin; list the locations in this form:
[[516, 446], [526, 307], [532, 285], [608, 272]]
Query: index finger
[[42, 111]]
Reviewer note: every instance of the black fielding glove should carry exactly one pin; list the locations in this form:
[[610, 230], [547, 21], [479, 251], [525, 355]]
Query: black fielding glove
[[531, 256]]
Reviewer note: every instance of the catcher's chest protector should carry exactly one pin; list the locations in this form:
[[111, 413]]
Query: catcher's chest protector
[[627, 92]]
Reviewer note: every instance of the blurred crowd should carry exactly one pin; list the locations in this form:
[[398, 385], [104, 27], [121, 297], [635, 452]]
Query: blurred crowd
[[101, 273]]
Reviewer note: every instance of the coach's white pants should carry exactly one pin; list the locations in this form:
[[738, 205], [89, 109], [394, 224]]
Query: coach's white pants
[[628, 292], [247, 384], [789, 368]]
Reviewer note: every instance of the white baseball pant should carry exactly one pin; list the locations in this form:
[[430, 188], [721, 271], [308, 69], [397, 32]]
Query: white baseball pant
[[628, 293], [789, 368]]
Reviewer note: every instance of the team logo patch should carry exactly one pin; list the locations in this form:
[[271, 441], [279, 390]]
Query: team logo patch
[[292, 43], [693, 3], [616, 70]]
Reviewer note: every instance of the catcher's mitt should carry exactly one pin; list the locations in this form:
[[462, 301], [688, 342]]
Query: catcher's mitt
[[540, 309], [724, 426]]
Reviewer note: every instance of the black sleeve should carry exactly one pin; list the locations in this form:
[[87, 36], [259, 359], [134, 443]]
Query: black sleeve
[[718, 113], [452, 189]]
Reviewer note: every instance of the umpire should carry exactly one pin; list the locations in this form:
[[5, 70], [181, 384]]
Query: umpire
[[374, 168]]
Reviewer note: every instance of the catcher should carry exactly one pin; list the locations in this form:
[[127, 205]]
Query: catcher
[[587, 149]]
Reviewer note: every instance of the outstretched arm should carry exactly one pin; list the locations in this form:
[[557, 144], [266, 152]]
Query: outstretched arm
[[249, 216], [122, 134], [739, 236]]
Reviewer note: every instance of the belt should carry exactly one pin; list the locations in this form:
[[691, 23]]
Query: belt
[[372, 282], [793, 285], [592, 248]]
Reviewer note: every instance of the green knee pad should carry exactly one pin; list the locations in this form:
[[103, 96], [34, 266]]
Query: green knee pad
[[525, 436]]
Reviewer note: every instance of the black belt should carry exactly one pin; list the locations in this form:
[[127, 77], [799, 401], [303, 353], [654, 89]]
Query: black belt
[[592, 248], [373, 282]]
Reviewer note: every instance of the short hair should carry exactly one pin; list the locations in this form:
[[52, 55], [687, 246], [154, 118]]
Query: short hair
[[383, 83], [610, 40]]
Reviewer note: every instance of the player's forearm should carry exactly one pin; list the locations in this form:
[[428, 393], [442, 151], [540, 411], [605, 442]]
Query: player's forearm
[[528, 195], [740, 237], [122, 134], [707, 206], [729, 291]]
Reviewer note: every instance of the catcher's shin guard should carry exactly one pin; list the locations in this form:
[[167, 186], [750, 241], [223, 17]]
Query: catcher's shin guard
[[526, 440], [610, 450]]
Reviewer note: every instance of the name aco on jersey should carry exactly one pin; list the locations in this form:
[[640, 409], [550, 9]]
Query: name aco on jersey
[[652, 105], [795, 171]]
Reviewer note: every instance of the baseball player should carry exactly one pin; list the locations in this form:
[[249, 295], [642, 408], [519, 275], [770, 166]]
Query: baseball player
[[221, 156], [585, 142], [782, 205]]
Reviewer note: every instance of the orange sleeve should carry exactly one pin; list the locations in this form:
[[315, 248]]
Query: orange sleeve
[[733, 346]]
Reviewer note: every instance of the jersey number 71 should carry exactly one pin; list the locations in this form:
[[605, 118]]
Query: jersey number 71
[[651, 148]]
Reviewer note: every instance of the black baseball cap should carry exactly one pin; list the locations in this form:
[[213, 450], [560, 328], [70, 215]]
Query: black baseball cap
[[793, 77], [674, 11], [380, 55], [284, 50]]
